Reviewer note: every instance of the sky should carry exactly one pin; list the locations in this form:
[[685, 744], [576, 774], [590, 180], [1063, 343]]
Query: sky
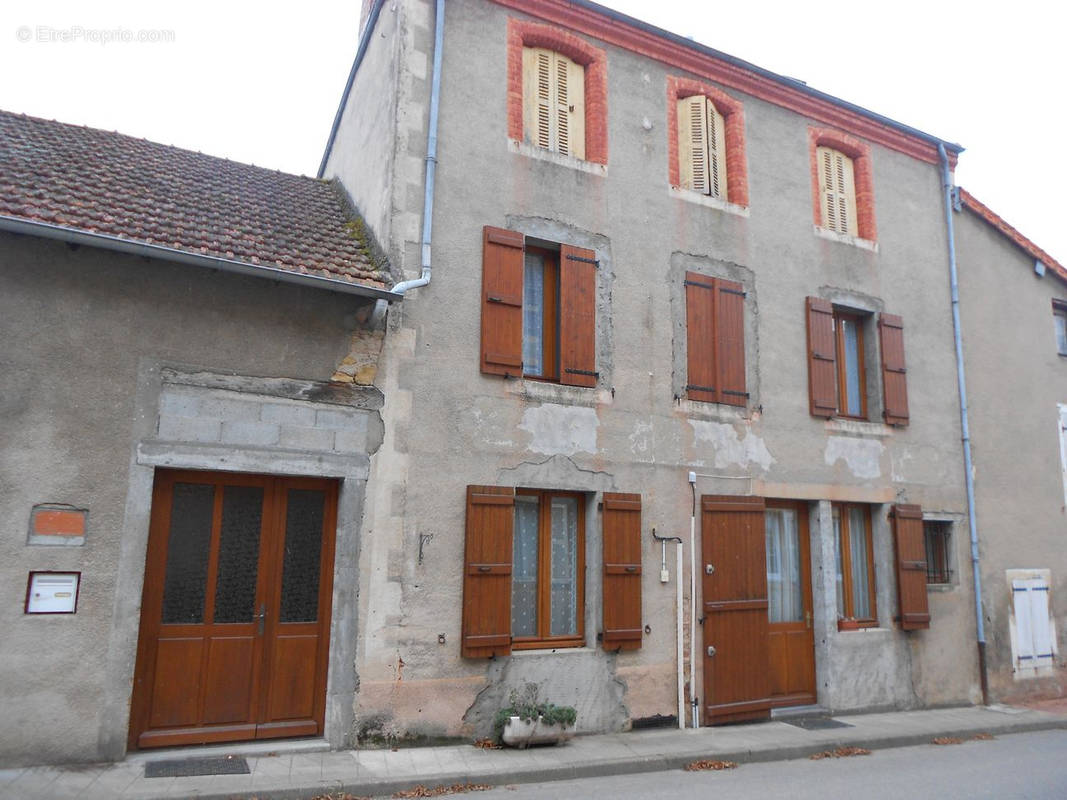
[[260, 82]]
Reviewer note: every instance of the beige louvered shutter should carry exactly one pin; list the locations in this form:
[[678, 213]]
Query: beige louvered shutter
[[693, 143], [716, 152], [569, 106], [837, 190], [537, 93]]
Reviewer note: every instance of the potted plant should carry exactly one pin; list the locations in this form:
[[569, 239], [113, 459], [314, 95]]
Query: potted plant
[[527, 720]]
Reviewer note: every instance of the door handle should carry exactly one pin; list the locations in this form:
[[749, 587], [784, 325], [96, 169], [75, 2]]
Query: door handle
[[807, 618], [261, 617]]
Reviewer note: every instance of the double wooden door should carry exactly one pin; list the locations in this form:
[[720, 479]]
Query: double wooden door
[[759, 647], [235, 615]]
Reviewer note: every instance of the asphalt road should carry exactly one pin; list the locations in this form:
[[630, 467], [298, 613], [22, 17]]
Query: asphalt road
[[1024, 765]]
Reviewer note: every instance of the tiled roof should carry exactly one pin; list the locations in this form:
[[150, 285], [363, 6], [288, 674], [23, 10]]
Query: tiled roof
[[107, 183], [985, 213]]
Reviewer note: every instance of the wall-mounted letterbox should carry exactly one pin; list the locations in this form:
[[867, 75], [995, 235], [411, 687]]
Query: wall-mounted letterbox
[[52, 592]]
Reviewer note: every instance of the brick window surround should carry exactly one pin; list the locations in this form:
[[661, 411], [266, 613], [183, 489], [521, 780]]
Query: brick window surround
[[860, 153], [530, 34], [734, 123]]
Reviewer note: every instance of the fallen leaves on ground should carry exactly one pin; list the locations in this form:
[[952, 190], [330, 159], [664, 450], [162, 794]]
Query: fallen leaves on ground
[[948, 740], [983, 737], [840, 752], [697, 766], [437, 791], [486, 744], [338, 796]]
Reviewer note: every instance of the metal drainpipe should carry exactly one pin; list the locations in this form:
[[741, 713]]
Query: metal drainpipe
[[946, 180], [431, 154]]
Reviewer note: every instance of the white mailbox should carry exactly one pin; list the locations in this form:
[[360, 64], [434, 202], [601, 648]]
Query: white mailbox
[[52, 592]]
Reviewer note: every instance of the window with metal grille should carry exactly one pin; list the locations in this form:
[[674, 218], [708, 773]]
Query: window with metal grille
[[937, 536]]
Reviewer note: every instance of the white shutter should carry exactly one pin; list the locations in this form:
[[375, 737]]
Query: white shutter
[[1024, 629], [571, 103], [837, 190], [1033, 627], [692, 144], [553, 91], [537, 96], [716, 152]]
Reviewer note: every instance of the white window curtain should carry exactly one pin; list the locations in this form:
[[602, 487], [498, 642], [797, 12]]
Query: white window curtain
[[524, 568], [564, 619], [533, 314], [784, 592], [857, 540]]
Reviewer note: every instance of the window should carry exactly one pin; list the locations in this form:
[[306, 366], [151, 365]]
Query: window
[[715, 340], [524, 576], [1059, 316], [706, 141], [856, 606], [837, 363], [553, 90], [851, 369], [841, 184], [701, 146], [557, 93], [936, 539], [538, 309], [547, 569]]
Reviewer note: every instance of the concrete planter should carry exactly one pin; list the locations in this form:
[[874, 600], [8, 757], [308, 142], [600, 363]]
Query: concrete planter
[[522, 733]]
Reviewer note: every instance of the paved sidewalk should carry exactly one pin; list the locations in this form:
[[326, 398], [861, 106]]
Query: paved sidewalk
[[285, 775]]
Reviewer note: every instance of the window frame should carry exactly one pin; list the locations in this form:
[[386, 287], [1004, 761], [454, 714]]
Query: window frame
[[937, 536], [544, 639], [550, 314], [860, 319], [846, 618], [862, 181], [1059, 317]]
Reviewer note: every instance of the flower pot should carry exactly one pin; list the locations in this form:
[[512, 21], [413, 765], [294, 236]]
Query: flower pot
[[522, 733]]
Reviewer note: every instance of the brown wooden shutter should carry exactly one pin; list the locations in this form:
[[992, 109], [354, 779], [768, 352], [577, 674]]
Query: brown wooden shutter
[[622, 571], [894, 375], [822, 358], [577, 317], [736, 673], [730, 342], [911, 567], [487, 572], [701, 369], [502, 254]]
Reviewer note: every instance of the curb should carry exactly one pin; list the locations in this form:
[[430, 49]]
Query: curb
[[633, 766]]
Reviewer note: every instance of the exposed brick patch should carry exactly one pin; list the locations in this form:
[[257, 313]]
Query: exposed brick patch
[[531, 34], [992, 218], [860, 153], [734, 122]]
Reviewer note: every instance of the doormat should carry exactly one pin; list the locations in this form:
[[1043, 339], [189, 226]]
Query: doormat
[[190, 767], [817, 723]]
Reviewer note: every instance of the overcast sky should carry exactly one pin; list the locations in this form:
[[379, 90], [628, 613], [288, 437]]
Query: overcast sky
[[260, 82]]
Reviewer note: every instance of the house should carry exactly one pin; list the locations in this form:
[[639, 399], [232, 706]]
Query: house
[[633, 377], [668, 292], [1014, 351]]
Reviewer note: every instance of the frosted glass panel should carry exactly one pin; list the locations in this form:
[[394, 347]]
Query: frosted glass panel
[[852, 367], [524, 568], [533, 315], [304, 515], [188, 547], [564, 620], [857, 540], [784, 594], [235, 586]]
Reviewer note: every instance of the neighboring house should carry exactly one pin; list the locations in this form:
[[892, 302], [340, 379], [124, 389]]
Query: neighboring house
[[1013, 301], [170, 319], [649, 260]]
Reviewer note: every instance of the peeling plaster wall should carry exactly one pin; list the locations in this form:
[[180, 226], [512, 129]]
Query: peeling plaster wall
[[449, 426]]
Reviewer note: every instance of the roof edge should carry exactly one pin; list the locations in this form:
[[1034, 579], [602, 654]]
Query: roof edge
[[136, 247], [997, 222]]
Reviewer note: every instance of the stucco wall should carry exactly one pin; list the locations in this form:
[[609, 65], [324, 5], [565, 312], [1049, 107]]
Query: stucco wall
[[1015, 379], [85, 333], [447, 425]]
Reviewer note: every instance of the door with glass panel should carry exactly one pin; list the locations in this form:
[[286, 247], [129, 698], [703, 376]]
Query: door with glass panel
[[791, 642], [236, 608]]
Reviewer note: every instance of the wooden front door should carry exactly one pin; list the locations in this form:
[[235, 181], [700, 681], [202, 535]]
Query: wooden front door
[[791, 641], [236, 609], [734, 583]]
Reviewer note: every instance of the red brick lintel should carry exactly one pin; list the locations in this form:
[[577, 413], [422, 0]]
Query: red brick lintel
[[820, 108]]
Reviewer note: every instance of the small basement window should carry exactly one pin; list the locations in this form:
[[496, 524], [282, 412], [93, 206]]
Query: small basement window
[[936, 534]]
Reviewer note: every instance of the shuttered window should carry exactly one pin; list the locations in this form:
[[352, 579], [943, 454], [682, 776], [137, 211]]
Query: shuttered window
[[538, 310], [553, 102], [622, 572], [715, 340], [894, 374], [701, 146], [911, 565], [851, 364], [837, 191], [856, 606], [1033, 643]]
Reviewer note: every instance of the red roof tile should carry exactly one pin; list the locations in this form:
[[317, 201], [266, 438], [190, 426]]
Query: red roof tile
[[985, 213], [107, 183]]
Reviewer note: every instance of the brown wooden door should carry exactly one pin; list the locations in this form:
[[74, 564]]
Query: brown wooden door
[[790, 639], [236, 609], [736, 685]]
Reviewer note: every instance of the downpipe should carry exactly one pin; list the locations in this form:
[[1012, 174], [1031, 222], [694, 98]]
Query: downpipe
[[678, 601]]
